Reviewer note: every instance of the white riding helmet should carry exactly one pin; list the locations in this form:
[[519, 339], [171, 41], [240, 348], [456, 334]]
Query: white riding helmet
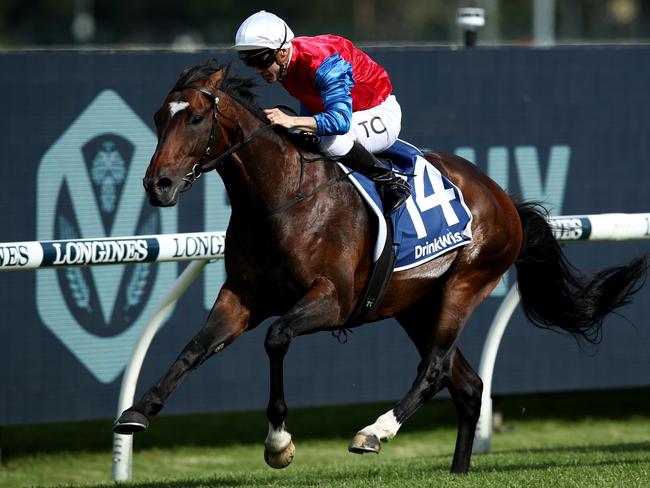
[[263, 30]]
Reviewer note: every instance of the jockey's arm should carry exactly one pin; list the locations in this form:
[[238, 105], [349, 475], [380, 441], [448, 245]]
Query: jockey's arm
[[334, 81], [277, 116]]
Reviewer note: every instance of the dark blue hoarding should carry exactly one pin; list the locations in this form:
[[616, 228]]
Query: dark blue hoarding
[[569, 126]]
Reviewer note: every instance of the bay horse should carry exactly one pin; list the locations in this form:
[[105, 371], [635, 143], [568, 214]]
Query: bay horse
[[299, 246]]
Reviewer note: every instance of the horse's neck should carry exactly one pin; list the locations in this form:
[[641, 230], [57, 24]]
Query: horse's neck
[[264, 173]]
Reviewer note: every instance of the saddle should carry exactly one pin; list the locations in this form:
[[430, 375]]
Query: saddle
[[307, 141], [433, 221]]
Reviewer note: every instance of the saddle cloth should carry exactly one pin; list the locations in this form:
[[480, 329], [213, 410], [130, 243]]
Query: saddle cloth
[[433, 221]]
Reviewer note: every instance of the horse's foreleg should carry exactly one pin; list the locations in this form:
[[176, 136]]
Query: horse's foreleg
[[228, 318], [317, 310]]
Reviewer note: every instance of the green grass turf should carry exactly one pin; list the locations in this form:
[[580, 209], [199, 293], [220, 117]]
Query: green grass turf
[[582, 439]]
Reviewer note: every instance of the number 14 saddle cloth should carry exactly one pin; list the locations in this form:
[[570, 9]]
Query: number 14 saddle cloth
[[433, 221]]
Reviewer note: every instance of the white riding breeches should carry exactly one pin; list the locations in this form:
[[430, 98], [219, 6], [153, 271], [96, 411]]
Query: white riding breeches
[[376, 129]]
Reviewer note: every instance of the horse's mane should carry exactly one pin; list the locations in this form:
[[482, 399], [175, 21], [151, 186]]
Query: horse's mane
[[237, 87]]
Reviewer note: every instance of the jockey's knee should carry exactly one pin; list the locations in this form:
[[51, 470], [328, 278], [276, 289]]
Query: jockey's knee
[[338, 145]]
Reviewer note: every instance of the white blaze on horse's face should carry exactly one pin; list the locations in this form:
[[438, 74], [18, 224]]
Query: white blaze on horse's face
[[175, 107]]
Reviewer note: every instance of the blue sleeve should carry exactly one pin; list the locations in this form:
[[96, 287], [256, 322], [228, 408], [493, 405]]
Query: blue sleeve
[[334, 81], [304, 110]]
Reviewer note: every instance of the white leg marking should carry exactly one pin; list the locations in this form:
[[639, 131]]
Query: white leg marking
[[277, 440], [175, 107], [384, 428]]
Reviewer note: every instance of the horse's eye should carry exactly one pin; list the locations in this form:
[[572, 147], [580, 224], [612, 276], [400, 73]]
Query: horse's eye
[[197, 119]]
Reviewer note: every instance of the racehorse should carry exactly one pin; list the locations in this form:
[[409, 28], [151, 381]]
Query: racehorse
[[299, 246]]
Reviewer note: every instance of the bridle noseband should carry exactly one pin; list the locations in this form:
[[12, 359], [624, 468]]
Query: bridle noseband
[[206, 162]]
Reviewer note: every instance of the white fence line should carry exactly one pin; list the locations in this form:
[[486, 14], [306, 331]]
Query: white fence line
[[601, 227], [16, 256], [202, 246]]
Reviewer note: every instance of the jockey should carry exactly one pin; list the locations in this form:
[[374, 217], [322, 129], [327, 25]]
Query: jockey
[[345, 97]]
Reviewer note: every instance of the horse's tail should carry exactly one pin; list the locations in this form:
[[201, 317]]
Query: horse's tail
[[554, 294]]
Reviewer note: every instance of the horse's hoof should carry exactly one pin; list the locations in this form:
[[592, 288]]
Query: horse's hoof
[[363, 443], [130, 422], [282, 459]]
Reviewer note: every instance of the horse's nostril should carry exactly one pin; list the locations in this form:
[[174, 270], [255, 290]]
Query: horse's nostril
[[163, 184]]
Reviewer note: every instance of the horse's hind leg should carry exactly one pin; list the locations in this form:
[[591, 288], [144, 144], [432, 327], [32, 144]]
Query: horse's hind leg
[[466, 389], [440, 367], [433, 374]]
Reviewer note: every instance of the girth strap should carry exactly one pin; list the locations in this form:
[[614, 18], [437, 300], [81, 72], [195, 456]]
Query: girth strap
[[377, 282]]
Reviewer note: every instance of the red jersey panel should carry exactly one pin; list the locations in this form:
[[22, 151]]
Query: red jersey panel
[[371, 82]]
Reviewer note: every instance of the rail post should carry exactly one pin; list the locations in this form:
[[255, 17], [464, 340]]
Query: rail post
[[123, 444]]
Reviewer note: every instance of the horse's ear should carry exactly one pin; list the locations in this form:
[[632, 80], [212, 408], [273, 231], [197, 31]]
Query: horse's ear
[[215, 79], [184, 73]]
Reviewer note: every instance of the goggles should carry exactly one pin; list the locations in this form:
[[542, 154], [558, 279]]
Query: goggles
[[259, 58]]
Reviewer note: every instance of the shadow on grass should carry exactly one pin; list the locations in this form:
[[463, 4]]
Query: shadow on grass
[[335, 422], [213, 430], [347, 476], [404, 472], [543, 466], [611, 448]]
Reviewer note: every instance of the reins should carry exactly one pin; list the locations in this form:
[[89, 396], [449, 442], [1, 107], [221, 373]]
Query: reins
[[206, 164], [299, 196]]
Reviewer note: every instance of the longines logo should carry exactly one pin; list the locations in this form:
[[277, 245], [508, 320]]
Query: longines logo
[[89, 186]]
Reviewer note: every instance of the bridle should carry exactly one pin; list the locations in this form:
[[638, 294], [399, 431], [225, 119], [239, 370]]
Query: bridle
[[206, 162]]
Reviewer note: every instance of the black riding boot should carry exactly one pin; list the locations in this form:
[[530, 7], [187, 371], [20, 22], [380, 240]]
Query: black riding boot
[[392, 190]]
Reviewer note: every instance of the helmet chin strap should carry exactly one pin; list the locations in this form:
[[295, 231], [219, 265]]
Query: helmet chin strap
[[283, 66]]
